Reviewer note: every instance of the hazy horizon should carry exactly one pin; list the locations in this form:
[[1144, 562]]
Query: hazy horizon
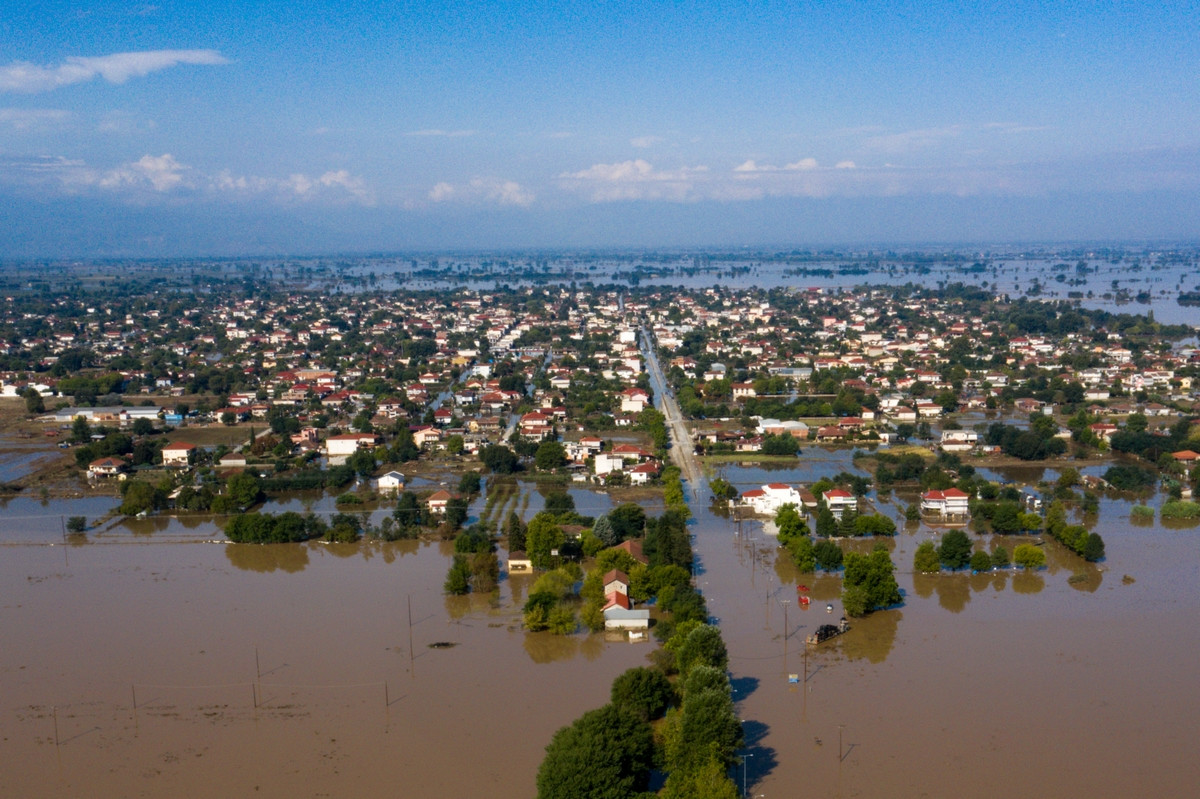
[[220, 129]]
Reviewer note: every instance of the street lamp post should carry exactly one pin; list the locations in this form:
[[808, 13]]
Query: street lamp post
[[744, 759]]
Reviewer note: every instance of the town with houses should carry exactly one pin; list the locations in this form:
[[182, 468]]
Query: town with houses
[[321, 377]]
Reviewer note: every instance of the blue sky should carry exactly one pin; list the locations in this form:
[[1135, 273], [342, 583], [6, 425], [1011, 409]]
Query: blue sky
[[194, 128]]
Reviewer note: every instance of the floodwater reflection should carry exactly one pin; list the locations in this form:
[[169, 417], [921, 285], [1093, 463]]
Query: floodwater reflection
[[953, 592], [872, 637], [1086, 579], [546, 647], [1028, 582], [290, 558]]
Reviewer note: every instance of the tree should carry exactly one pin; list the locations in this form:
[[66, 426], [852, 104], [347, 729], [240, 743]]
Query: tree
[[826, 523], [645, 692], [143, 426], [1028, 556], [874, 577], [81, 431], [981, 561], [703, 645], [628, 521], [1093, 547], [955, 550], [455, 444], [606, 753], [76, 524], [559, 502], [499, 458], [138, 496], [603, 530], [33, 401], [458, 580], [550, 455], [514, 531], [469, 483], [543, 536], [926, 558], [1000, 558], [828, 555], [244, 489], [708, 780], [456, 511]]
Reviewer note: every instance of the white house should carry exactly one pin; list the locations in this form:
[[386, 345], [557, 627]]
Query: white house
[[348, 444], [948, 503], [771, 497], [391, 482], [959, 440], [839, 500], [178, 454]]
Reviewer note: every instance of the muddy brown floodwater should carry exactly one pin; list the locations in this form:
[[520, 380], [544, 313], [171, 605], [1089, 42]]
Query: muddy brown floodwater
[[287, 670], [265, 670], [1070, 681]]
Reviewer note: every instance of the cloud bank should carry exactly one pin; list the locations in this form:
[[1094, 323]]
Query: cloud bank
[[116, 68]]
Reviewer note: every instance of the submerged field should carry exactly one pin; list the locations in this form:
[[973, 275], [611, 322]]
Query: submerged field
[[287, 670]]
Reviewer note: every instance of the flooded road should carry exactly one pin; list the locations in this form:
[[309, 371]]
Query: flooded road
[[1073, 680]]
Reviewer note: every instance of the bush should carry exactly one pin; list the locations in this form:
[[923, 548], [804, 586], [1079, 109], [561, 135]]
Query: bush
[[1028, 556], [981, 561], [926, 558], [1180, 509]]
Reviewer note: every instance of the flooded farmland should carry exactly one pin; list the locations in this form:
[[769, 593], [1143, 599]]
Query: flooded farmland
[[148, 663]]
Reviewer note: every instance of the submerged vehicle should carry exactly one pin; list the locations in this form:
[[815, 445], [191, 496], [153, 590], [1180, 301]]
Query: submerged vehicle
[[827, 631]]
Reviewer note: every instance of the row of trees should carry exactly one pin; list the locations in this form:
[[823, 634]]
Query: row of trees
[[608, 753], [954, 552]]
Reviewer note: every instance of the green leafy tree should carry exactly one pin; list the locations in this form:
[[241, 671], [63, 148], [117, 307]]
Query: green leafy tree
[[550, 455], [542, 536], [926, 558], [76, 524], [873, 577], [1000, 558], [605, 754], [827, 525], [458, 580], [1028, 556], [981, 561], [702, 646], [559, 502], [514, 531], [499, 459], [828, 555], [33, 401], [955, 550], [628, 521], [81, 431], [244, 489], [645, 692]]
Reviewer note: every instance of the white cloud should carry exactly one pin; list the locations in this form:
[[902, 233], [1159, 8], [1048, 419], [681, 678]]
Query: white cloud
[[504, 192], [441, 192], [748, 166], [803, 163], [32, 118], [636, 180], [161, 173], [22, 76], [642, 142], [844, 165], [491, 190]]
